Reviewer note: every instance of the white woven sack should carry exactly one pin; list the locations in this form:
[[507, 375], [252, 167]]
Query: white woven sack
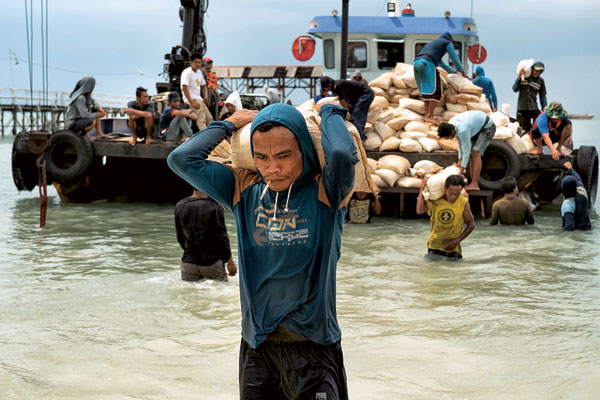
[[416, 126], [480, 106], [500, 119], [435, 187], [413, 116], [528, 143], [398, 82], [372, 164], [409, 78], [389, 176], [465, 98], [432, 134], [424, 167], [390, 144], [503, 133], [379, 101], [401, 68], [409, 146], [383, 81], [525, 65], [395, 163], [383, 130], [373, 141], [429, 145], [380, 183], [387, 115], [398, 123], [408, 182], [447, 116], [380, 92], [416, 135], [373, 115], [457, 108], [517, 144], [417, 106]]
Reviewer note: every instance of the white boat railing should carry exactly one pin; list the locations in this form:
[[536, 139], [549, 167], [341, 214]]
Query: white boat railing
[[25, 97]]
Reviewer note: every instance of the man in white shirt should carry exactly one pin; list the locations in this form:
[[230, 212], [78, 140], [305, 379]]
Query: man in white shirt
[[195, 93]]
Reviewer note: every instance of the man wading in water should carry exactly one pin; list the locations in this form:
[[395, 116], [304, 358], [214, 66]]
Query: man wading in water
[[288, 247]]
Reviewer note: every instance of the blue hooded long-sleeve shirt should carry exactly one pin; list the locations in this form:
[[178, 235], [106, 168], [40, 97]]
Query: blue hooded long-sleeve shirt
[[487, 85], [435, 50], [287, 262]]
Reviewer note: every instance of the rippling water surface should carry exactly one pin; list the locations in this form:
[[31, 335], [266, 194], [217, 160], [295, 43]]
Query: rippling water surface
[[92, 307]]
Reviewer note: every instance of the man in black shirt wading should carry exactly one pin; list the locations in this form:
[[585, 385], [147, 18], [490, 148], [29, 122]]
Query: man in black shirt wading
[[202, 234]]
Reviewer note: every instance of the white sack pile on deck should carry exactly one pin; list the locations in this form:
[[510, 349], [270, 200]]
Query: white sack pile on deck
[[396, 117]]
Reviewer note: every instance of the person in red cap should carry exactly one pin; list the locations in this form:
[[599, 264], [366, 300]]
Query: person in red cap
[[211, 83], [211, 77]]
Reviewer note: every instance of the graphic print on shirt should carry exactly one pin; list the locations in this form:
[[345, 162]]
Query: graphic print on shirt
[[446, 216], [280, 231]]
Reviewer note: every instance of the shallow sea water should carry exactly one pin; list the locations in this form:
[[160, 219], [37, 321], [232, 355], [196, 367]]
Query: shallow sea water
[[92, 307]]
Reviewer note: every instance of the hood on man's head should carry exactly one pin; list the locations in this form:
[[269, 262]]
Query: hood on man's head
[[84, 86], [234, 99], [447, 36], [568, 186], [292, 119], [479, 71]]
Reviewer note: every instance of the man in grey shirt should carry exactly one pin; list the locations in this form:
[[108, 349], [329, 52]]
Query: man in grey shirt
[[141, 117], [81, 115]]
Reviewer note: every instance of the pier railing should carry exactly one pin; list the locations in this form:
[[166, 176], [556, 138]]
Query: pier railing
[[22, 109]]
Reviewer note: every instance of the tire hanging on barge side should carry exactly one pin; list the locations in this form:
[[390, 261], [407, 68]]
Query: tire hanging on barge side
[[69, 156], [24, 168], [499, 161], [586, 165]]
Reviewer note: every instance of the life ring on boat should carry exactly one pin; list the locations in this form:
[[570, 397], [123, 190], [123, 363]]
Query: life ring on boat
[[24, 169], [586, 165], [499, 161], [68, 156]]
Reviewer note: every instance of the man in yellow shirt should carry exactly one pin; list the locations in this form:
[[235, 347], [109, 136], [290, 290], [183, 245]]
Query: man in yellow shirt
[[448, 217]]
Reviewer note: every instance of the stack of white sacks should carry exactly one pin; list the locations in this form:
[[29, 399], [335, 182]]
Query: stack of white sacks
[[394, 170], [396, 123], [396, 116]]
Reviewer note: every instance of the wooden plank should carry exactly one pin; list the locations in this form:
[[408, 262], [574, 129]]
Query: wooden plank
[[483, 196], [121, 148]]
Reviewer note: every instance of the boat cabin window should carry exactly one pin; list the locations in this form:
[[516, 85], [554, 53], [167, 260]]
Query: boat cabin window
[[329, 50], [388, 54], [357, 55]]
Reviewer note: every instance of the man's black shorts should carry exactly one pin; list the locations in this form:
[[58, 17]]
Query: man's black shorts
[[292, 370]]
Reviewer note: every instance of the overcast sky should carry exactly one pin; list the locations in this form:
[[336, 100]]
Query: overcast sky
[[114, 40]]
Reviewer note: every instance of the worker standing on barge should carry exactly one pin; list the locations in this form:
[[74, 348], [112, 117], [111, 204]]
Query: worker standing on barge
[[427, 75], [529, 89]]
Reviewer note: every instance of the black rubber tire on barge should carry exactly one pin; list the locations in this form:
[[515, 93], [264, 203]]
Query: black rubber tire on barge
[[586, 165], [499, 161], [69, 156], [24, 169]]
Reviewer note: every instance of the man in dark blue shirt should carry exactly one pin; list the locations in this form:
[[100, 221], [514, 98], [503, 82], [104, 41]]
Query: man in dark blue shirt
[[175, 123], [427, 75]]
